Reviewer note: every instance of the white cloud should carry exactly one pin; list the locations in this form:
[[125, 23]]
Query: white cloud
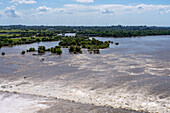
[[24, 1], [115, 8], [85, 1], [11, 12], [109, 9], [44, 9]]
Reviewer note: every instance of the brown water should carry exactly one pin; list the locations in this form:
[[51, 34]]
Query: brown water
[[133, 75]]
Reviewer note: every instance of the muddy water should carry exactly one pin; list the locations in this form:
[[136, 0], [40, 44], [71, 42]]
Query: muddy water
[[134, 75]]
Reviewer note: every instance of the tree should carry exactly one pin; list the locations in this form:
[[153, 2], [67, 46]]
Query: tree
[[23, 52], [3, 53]]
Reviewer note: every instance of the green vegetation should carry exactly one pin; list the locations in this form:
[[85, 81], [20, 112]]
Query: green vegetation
[[31, 49], [58, 51], [75, 49], [105, 33], [26, 40], [84, 42], [17, 31], [19, 34], [42, 49], [3, 53], [23, 52], [76, 43]]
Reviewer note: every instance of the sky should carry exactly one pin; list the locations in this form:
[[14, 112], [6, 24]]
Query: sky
[[85, 12]]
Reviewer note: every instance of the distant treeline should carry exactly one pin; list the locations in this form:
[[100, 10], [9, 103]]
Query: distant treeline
[[14, 31], [124, 33], [62, 29]]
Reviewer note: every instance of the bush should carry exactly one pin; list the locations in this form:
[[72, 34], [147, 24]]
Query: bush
[[48, 49], [71, 49], [97, 51], [3, 53], [23, 52], [78, 49], [58, 51], [57, 46], [31, 49], [117, 43], [41, 51], [38, 40], [75, 49], [41, 48]]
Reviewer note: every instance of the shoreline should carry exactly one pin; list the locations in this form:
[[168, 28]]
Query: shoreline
[[53, 105]]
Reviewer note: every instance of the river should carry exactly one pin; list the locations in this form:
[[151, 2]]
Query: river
[[134, 75]]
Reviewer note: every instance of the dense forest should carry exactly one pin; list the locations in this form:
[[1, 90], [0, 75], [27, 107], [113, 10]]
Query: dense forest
[[15, 31]]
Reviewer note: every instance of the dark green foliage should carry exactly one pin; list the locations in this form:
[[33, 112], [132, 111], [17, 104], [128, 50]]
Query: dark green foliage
[[84, 42], [48, 49], [76, 43], [23, 39], [96, 51], [41, 49], [38, 40], [57, 46], [56, 50], [75, 49], [78, 49], [3, 53], [23, 52], [116, 43], [31, 49], [110, 41], [71, 49]]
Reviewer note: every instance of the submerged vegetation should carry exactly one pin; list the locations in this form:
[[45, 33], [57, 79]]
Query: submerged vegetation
[[83, 42], [3, 53], [23, 52], [42, 49], [74, 45], [18, 34], [75, 49]]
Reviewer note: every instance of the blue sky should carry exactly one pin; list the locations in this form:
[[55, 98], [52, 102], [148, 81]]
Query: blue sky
[[85, 12]]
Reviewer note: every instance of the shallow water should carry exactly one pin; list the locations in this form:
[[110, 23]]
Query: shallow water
[[134, 75]]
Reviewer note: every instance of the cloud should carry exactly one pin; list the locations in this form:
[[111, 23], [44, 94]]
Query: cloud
[[24, 1], [107, 11], [44, 9], [111, 9], [85, 1], [115, 8], [11, 12]]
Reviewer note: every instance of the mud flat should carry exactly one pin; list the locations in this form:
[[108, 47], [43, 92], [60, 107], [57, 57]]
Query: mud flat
[[137, 81]]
